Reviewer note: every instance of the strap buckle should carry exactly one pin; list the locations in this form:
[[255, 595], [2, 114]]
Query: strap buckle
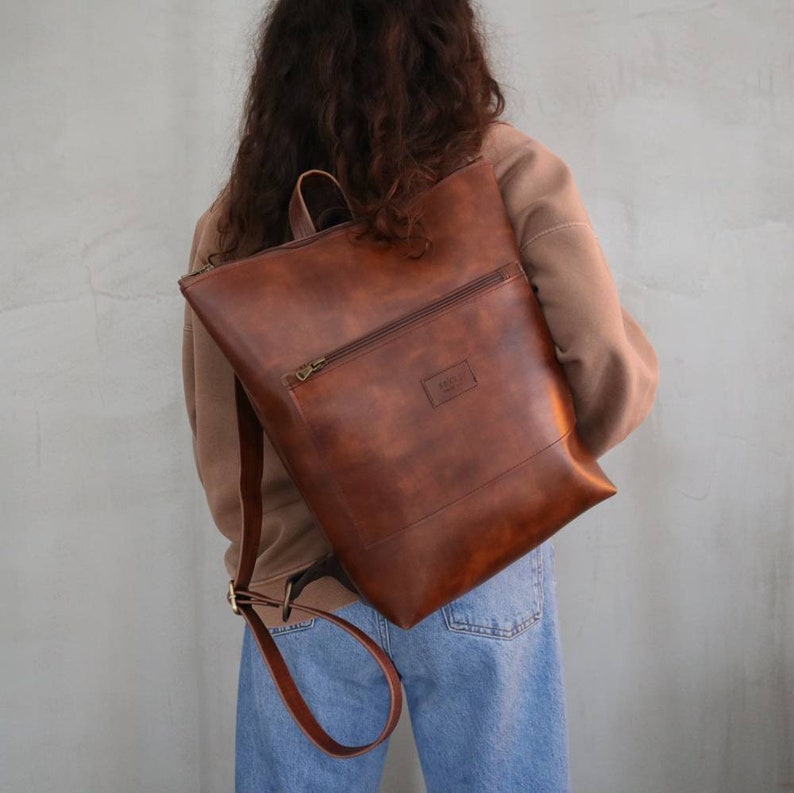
[[231, 596]]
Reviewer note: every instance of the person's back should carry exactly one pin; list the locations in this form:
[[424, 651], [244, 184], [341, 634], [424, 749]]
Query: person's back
[[390, 97]]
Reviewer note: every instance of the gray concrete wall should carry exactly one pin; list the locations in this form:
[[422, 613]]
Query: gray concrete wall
[[119, 656]]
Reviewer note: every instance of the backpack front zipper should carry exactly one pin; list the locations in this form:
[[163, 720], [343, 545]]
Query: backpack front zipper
[[309, 368]]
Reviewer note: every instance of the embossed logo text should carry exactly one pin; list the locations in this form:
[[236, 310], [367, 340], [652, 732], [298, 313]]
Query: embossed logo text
[[449, 383]]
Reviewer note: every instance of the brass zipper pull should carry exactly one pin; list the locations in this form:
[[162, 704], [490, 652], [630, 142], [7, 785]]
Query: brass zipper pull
[[206, 268], [309, 368]]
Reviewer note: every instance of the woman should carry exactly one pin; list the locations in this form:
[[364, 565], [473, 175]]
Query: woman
[[391, 96]]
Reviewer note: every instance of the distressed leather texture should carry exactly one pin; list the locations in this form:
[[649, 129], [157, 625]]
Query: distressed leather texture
[[420, 501]]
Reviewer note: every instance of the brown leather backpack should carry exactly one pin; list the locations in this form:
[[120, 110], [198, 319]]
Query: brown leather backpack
[[416, 402]]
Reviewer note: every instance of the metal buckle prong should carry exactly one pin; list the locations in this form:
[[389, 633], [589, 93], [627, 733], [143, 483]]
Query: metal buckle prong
[[286, 609], [232, 598]]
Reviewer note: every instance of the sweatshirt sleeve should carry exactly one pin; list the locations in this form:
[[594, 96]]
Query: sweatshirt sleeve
[[610, 364]]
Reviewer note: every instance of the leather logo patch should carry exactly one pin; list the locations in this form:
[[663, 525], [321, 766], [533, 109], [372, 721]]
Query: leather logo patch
[[449, 383]]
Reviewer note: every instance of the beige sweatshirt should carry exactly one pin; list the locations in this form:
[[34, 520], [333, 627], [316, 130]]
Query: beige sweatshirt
[[612, 368]]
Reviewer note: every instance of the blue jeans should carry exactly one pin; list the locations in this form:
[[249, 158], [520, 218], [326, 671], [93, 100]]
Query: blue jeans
[[483, 683]]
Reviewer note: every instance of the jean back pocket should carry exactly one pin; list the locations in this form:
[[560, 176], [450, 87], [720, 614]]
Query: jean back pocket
[[505, 605]]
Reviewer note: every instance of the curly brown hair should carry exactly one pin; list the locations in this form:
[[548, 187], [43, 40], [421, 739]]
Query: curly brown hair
[[387, 95]]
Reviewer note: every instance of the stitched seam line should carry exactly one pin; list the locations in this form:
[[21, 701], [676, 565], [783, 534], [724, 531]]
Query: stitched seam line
[[368, 544], [277, 630], [470, 492], [497, 633], [553, 229]]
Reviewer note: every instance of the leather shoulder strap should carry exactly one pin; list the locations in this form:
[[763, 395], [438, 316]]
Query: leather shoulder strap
[[300, 218], [242, 599]]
